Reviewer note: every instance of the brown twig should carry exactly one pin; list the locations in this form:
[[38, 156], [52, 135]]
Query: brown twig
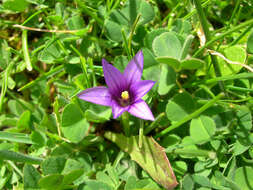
[[229, 61]]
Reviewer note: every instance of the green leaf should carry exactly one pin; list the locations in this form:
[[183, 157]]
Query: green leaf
[[50, 53], [167, 79], [15, 107], [180, 167], [53, 165], [188, 145], [202, 129], [243, 177], [186, 46], [140, 7], [24, 121], [15, 137], [172, 62], [124, 19], [103, 177], [8, 120], [149, 38], [233, 53], [151, 157], [239, 148], [222, 180], [148, 59], [202, 168], [94, 184], [74, 125], [31, 177], [167, 44], [71, 165], [188, 183], [152, 73], [121, 62], [50, 182], [98, 114], [113, 30], [192, 63], [39, 139], [180, 106], [250, 43], [4, 54], [202, 180], [170, 140], [70, 177], [182, 27], [133, 183], [76, 22], [15, 5], [11, 83], [244, 117]]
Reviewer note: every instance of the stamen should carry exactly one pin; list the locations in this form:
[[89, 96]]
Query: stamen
[[125, 95]]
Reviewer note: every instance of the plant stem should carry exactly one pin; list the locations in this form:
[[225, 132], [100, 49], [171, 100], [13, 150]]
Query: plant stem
[[223, 78], [125, 124], [189, 15], [203, 20], [44, 76], [126, 44], [241, 35], [240, 26], [87, 11], [234, 11], [132, 33], [240, 89], [190, 116], [193, 152], [154, 124], [204, 24], [84, 66]]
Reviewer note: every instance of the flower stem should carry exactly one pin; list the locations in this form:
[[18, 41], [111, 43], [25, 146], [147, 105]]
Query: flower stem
[[190, 116], [141, 133], [125, 123], [125, 44]]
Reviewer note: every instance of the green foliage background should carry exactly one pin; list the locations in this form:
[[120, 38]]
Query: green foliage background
[[198, 52]]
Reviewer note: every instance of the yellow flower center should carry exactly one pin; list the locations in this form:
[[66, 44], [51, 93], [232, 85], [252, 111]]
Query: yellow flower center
[[125, 95]]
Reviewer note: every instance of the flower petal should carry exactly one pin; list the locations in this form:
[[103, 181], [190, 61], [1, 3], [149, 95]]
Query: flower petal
[[98, 95], [117, 110], [140, 109], [134, 68], [114, 79], [141, 88]]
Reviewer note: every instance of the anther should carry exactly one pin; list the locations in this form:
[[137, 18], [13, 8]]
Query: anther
[[125, 95]]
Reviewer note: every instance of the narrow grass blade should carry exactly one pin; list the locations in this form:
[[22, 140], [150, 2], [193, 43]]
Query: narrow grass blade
[[26, 51], [44, 76], [18, 157], [15, 137]]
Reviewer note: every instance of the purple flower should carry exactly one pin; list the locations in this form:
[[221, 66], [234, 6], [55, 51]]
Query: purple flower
[[124, 91]]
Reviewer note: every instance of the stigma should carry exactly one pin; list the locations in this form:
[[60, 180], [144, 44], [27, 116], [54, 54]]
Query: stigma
[[125, 95]]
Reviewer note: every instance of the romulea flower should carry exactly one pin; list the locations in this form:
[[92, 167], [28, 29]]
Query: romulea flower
[[124, 91]]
